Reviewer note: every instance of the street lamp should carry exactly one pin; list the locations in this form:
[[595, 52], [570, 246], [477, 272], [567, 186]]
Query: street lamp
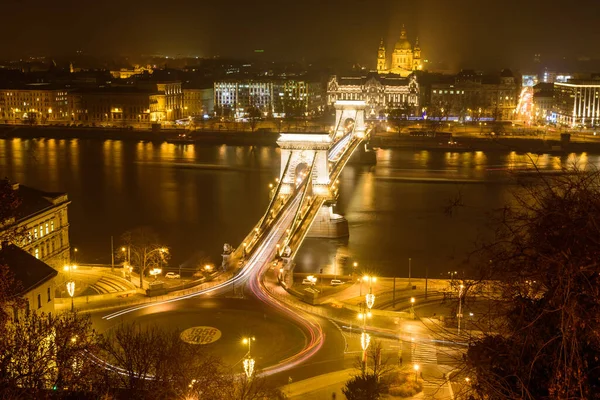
[[248, 367], [459, 315], [248, 360], [412, 308], [416, 368], [71, 291], [249, 341]]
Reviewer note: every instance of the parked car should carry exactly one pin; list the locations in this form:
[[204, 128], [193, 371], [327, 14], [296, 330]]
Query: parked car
[[172, 275], [336, 282]]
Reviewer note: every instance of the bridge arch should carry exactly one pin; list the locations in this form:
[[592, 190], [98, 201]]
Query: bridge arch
[[346, 111]]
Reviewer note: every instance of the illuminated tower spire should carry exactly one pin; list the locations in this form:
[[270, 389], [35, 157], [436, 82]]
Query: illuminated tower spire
[[381, 57]]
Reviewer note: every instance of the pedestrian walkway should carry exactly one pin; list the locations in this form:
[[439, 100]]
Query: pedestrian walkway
[[423, 351], [320, 387]]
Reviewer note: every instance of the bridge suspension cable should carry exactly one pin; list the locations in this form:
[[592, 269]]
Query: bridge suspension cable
[[277, 190]]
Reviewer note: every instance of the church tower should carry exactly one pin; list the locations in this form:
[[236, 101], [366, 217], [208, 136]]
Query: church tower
[[417, 56], [381, 57]]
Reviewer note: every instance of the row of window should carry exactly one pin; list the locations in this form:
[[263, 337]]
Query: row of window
[[46, 248], [44, 229]]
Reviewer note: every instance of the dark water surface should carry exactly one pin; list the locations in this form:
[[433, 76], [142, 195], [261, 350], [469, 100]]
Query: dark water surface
[[199, 197]]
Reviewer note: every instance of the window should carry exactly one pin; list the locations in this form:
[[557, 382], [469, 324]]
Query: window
[[49, 295], [39, 301], [47, 228], [35, 233], [37, 253], [41, 230]]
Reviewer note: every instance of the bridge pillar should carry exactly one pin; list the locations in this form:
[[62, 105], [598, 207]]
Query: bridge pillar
[[304, 148], [350, 114], [327, 224]]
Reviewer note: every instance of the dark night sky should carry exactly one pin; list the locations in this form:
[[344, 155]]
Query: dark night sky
[[476, 33]]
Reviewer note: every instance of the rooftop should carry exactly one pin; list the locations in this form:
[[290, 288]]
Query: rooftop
[[34, 201], [27, 269]]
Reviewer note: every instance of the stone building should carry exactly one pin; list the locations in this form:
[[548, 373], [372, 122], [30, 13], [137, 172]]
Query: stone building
[[577, 102], [41, 225], [34, 103], [380, 92], [405, 58], [35, 277], [475, 96]]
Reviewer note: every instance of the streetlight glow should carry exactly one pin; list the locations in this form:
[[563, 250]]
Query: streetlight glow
[[365, 339], [370, 298], [249, 367]]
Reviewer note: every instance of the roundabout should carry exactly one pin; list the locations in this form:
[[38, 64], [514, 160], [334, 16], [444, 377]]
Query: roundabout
[[219, 325]]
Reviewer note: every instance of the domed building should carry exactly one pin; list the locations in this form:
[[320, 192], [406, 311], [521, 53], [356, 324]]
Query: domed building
[[406, 58]]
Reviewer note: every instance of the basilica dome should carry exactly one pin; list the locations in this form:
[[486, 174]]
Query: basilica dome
[[403, 44]]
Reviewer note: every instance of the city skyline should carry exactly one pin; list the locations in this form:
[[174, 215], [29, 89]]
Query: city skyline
[[463, 34]]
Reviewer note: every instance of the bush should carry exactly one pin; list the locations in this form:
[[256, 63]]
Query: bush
[[404, 385], [407, 389]]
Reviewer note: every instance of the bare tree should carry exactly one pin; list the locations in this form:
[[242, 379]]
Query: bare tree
[[543, 263], [144, 250]]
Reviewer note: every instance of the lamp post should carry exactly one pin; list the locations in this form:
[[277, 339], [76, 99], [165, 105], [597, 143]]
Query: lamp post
[[416, 368], [409, 271], [459, 315], [71, 291], [365, 338], [248, 362], [412, 308], [75, 254]]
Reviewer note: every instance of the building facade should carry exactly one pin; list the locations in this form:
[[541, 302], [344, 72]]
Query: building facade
[[41, 225], [275, 97], [381, 93], [474, 96], [120, 106], [405, 58], [577, 103], [198, 102], [34, 103], [36, 278]]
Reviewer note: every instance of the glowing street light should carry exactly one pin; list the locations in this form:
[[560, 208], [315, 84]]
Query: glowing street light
[[459, 315], [416, 368], [365, 340], [249, 341], [248, 367], [370, 298], [248, 360], [71, 291]]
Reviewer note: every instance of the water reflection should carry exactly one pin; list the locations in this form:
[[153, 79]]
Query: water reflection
[[199, 197]]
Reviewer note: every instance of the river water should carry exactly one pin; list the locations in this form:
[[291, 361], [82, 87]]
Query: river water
[[199, 197]]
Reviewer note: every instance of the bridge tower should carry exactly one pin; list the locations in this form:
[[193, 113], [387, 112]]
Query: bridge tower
[[350, 116], [298, 153]]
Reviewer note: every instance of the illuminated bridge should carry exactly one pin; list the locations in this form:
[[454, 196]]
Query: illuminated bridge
[[305, 191]]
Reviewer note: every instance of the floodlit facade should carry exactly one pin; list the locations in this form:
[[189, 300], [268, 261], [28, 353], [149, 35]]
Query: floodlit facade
[[379, 92], [34, 103], [405, 58], [577, 103], [42, 225], [276, 97]]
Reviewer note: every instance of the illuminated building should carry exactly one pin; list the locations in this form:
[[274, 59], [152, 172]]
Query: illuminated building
[[41, 224], [379, 92], [474, 96], [36, 280], [405, 57], [276, 97], [197, 101], [577, 103], [34, 103], [118, 106], [126, 73]]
